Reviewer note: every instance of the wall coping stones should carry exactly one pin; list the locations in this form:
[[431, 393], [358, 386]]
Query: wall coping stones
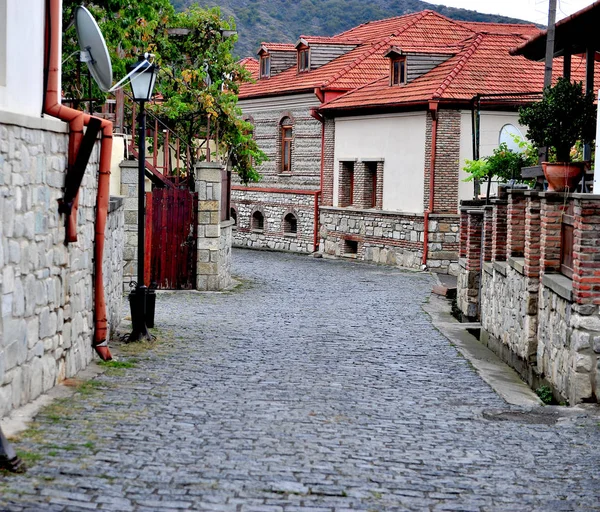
[[500, 266], [227, 223], [499, 201], [559, 284], [115, 203], [517, 264], [133, 164], [388, 212], [488, 267], [49, 124], [462, 262]]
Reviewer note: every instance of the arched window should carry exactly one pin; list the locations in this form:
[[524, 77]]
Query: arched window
[[233, 216], [290, 224], [287, 131], [258, 221]]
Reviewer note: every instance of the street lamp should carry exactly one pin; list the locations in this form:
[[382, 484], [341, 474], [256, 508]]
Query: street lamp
[[142, 84]]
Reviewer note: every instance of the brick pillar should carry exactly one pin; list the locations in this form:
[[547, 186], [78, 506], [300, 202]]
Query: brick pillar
[[586, 250], [499, 228], [532, 235], [363, 184], [515, 243], [328, 163], [464, 233], [214, 237], [379, 191], [474, 225], [487, 233], [551, 209]]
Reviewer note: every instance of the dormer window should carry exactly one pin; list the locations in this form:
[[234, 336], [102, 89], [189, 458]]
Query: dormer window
[[398, 70], [265, 66], [303, 60]]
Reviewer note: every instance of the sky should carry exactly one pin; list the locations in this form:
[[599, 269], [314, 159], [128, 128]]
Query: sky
[[530, 10]]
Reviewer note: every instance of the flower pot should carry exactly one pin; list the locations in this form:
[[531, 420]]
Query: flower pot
[[563, 176]]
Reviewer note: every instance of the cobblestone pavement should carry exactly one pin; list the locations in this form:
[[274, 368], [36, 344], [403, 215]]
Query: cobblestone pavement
[[317, 386]]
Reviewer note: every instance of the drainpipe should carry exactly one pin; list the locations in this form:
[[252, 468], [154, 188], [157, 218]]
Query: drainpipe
[[314, 113], [433, 108], [77, 120]]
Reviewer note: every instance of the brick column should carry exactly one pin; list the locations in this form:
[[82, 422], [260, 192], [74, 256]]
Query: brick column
[[532, 235], [586, 250], [214, 237], [487, 233], [515, 242], [363, 186], [328, 163], [550, 222], [379, 191], [499, 228], [464, 232], [474, 225]]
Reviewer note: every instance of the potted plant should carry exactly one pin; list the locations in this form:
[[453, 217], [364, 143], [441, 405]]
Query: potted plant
[[562, 118]]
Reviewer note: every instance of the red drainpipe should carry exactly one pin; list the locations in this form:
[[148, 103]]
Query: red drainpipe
[[433, 108], [314, 113], [77, 120]]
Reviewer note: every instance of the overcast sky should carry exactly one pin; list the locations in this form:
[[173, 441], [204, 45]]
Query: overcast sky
[[531, 10]]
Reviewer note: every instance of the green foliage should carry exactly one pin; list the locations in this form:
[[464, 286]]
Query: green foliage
[[562, 118], [503, 164], [545, 394]]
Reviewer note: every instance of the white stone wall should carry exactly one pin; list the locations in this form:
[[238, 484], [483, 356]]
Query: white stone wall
[[46, 325], [274, 206], [392, 238]]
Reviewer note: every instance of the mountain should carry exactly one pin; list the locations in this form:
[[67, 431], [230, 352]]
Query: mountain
[[285, 20]]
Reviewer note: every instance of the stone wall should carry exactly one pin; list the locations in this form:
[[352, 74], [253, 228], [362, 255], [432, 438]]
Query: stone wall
[[213, 270], [274, 205], [129, 187], [540, 315], [114, 246], [390, 238], [46, 326]]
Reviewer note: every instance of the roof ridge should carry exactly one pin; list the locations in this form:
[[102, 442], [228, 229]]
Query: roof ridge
[[459, 66], [384, 19], [375, 47]]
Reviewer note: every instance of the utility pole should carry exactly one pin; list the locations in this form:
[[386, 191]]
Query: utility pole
[[550, 43]]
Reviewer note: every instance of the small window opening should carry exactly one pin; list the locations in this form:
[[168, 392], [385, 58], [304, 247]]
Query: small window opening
[[371, 185], [290, 224], [399, 71], [265, 66], [303, 60], [286, 147], [346, 188], [350, 247], [258, 221]]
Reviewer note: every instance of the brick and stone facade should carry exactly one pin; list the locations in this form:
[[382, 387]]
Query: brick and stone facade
[[47, 322], [542, 322], [390, 238]]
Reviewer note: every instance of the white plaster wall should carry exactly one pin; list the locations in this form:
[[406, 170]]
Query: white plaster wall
[[397, 138], [23, 45], [491, 124]]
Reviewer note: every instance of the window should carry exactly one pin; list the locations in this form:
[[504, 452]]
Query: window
[[290, 224], [398, 71], [303, 60], [233, 217], [371, 185], [265, 66], [286, 145], [346, 184], [258, 221]]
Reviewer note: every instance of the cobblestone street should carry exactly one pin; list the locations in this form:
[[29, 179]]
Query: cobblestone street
[[317, 385]]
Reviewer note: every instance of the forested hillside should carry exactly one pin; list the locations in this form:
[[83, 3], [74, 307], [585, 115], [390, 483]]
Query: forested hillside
[[285, 20]]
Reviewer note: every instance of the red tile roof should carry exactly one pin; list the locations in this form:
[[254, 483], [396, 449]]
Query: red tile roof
[[476, 65], [279, 47], [251, 65]]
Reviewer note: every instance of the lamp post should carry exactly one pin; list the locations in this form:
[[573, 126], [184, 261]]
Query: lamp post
[[142, 84]]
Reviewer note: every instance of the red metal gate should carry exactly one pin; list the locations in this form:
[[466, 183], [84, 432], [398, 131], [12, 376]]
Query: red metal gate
[[172, 227]]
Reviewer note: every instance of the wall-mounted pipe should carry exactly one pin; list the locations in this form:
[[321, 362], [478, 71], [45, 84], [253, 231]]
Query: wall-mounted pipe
[[433, 109], [77, 120]]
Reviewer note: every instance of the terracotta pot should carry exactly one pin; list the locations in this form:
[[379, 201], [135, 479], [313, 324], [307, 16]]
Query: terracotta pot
[[563, 176]]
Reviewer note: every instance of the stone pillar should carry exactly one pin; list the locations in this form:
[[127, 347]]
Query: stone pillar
[[515, 243], [499, 228], [469, 281], [129, 189], [363, 186], [215, 237]]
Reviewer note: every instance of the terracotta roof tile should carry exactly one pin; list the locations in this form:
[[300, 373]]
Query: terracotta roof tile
[[279, 47], [251, 65]]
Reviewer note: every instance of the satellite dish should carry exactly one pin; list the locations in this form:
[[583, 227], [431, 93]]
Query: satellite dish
[[507, 135], [93, 48]]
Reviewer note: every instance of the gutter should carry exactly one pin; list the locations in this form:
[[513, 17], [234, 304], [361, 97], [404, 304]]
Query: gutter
[[77, 120], [433, 108]]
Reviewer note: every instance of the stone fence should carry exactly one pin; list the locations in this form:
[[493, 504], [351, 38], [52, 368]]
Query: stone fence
[[47, 320], [391, 238], [530, 272]]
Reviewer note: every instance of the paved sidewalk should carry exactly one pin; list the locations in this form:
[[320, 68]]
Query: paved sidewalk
[[317, 386]]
